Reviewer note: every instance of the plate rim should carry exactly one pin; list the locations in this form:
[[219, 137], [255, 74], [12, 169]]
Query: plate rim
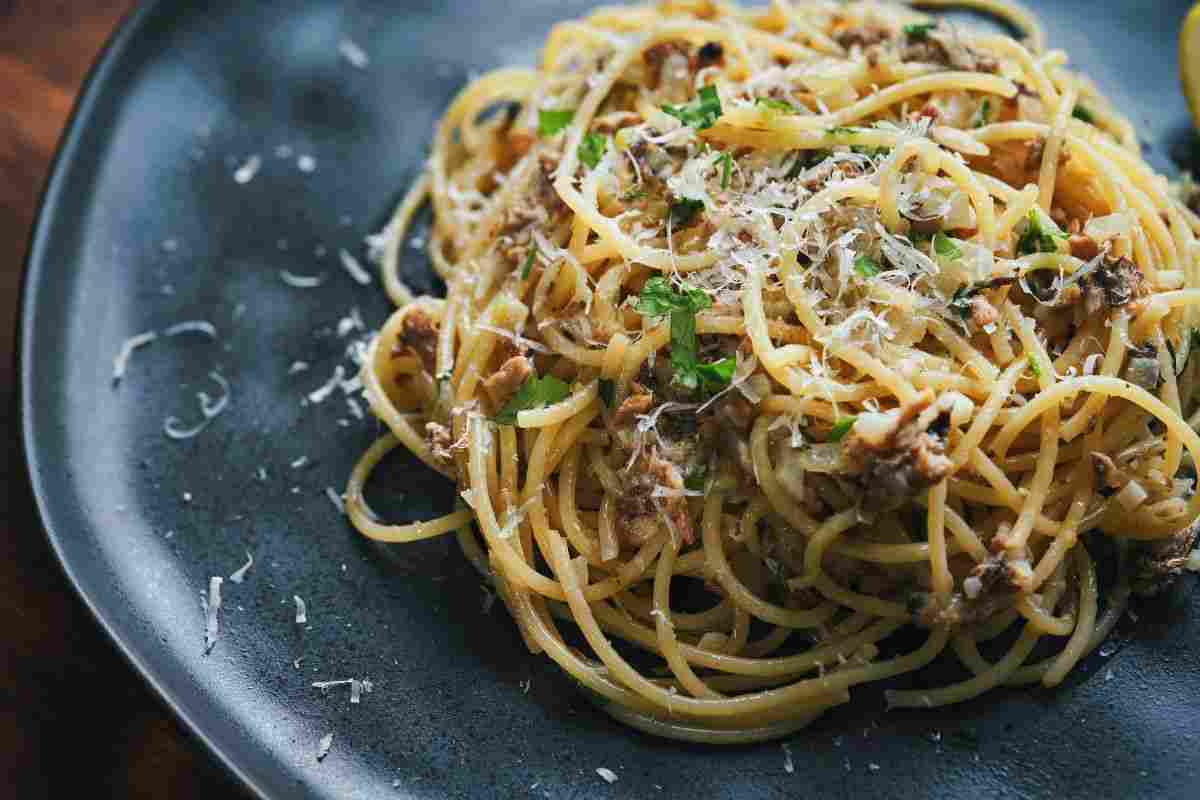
[[95, 83]]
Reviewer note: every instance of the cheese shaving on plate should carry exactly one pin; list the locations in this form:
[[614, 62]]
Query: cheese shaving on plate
[[212, 608], [121, 361], [240, 574]]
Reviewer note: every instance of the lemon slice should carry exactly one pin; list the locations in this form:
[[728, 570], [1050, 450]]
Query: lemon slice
[[1189, 61]]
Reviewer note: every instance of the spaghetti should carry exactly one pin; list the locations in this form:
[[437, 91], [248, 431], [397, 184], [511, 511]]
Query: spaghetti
[[769, 333]]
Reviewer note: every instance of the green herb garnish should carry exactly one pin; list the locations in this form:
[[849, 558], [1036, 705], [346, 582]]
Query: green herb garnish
[[841, 428], [607, 391], [636, 193], [695, 478], [1034, 367], [945, 247], [726, 162], [528, 266], [535, 393], [660, 298], [700, 113], [772, 104], [919, 30], [984, 115], [683, 210], [841, 131], [592, 148], [551, 121], [1082, 114], [867, 266], [1038, 237], [961, 302]]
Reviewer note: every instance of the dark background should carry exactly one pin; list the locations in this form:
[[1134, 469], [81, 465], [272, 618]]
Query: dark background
[[71, 709]]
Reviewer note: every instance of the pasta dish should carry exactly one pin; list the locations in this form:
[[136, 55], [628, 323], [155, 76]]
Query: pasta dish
[[788, 349]]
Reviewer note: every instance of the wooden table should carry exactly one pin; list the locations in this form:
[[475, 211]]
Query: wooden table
[[72, 710]]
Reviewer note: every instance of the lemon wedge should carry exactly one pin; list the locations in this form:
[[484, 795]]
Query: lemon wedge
[[1189, 61]]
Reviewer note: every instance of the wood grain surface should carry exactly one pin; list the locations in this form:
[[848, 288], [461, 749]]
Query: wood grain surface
[[73, 714]]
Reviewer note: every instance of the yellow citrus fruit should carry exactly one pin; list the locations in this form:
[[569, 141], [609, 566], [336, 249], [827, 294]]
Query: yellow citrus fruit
[[1189, 61]]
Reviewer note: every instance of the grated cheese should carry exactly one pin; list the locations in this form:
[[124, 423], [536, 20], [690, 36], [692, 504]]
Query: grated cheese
[[192, 326], [336, 499], [212, 608], [788, 766], [306, 163], [355, 55], [301, 610], [320, 394], [297, 367], [607, 774], [302, 281], [299, 463], [240, 574], [121, 361], [356, 270], [324, 745], [210, 409], [246, 172]]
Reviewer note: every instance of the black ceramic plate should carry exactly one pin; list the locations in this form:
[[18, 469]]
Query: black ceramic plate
[[144, 225]]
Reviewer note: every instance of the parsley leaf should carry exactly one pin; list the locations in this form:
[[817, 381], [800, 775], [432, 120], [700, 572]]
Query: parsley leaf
[[535, 393], [1082, 114], [551, 121], [841, 428], [841, 131], [726, 162], [592, 148], [961, 302], [633, 194], [608, 391], [528, 266], [945, 247], [695, 478], [1038, 237], [660, 298], [867, 266], [919, 30], [701, 113], [772, 104], [984, 115], [1034, 367], [683, 210]]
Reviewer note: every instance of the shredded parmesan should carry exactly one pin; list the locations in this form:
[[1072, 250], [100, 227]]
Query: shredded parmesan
[[355, 55], [788, 766], [240, 574], [306, 163], [324, 745], [357, 687], [246, 172], [301, 610], [336, 499], [212, 608], [210, 409], [193, 326], [356, 270], [121, 361], [518, 340], [302, 281], [607, 774], [320, 394]]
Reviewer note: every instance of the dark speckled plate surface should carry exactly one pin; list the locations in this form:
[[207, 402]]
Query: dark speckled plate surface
[[143, 225]]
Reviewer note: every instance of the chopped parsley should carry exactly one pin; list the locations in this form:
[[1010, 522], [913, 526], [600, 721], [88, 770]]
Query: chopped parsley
[[726, 162], [961, 302], [535, 393], [636, 193], [870, 152], [528, 266], [984, 115], [1034, 367], [695, 478], [867, 266], [608, 391], [1038, 237], [700, 113], [551, 121], [945, 247], [841, 131], [805, 159], [772, 104], [1082, 114], [660, 298], [684, 210], [841, 428], [919, 30], [592, 148]]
